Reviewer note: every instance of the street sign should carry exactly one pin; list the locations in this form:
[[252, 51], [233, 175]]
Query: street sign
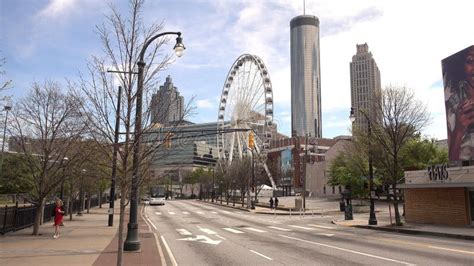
[[110, 211], [372, 194]]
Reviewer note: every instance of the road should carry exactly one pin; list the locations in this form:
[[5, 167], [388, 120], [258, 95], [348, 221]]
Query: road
[[198, 233]]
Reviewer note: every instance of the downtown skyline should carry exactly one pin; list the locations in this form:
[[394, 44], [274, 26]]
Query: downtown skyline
[[54, 39]]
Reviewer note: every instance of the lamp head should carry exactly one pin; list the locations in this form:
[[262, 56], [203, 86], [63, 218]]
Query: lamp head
[[179, 46], [352, 116]]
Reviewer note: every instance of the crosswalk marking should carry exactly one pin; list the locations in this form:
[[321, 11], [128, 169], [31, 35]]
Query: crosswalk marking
[[302, 227], [233, 230], [158, 213], [185, 212], [321, 226], [225, 211], [255, 230], [172, 213], [214, 212], [207, 231], [184, 232], [281, 229], [200, 212]]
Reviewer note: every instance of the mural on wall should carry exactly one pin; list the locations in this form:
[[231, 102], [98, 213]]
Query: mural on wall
[[458, 79]]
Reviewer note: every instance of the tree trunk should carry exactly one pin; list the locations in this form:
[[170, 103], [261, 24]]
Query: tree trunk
[[120, 232], [38, 217], [88, 202], [100, 198]]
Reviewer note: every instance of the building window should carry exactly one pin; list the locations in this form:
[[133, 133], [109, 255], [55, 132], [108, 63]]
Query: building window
[[340, 189], [324, 189], [333, 189]]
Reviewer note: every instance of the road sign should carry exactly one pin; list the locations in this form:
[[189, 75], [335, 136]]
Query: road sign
[[110, 211]]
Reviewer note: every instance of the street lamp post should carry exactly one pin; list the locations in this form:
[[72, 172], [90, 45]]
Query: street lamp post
[[61, 194], [372, 217], [114, 159], [6, 108], [132, 242]]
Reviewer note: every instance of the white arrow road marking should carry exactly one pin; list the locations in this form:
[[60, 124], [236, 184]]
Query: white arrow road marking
[[347, 250], [172, 213], [202, 239], [255, 230], [323, 234], [185, 212], [281, 229], [207, 231], [233, 231], [184, 232], [301, 227], [158, 213], [223, 238], [260, 254], [320, 226]]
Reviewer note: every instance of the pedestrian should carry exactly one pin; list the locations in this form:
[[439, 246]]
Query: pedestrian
[[58, 217], [271, 203], [276, 203]]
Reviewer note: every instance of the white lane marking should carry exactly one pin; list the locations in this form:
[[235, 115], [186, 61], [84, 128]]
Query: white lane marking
[[207, 231], [158, 213], [185, 212], [184, 232], [225, 211], [347, 250], [301, 227], [172, 213], [214, 212], [170, 254], [223, 238], [255, 230], [450, 249], [323, 234], [200, 212], [260, 254], [321, 226], [233, 230], [157, 240], [279, 228]]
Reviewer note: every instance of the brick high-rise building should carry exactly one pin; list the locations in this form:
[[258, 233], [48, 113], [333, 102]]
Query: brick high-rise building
[[365, 84], [167, 105]]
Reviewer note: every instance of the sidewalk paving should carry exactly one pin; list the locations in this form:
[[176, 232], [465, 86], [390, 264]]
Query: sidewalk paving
[[86, 240], [330, 207]]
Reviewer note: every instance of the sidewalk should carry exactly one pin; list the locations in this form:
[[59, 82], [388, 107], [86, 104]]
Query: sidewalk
[[330, 207], [86, 240]]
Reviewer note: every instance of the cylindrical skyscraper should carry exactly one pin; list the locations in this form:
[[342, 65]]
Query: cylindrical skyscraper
[[305, 76]]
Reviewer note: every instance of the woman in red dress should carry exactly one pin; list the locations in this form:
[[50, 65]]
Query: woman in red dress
[[58, 217]]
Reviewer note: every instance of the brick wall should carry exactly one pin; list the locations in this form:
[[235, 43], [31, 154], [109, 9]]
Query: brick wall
[[447, 206]]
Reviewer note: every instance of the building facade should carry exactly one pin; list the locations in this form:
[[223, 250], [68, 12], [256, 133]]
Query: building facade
[[305, 76], [365, 85], [167, 105]]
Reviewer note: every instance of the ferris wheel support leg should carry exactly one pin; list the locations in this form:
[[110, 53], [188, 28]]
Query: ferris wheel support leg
[[269, 175]]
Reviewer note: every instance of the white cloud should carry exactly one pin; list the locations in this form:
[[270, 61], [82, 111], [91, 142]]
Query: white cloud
[[56, 8], [206, 103]]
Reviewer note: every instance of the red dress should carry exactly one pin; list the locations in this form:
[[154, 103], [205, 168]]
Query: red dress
[[58, 216]]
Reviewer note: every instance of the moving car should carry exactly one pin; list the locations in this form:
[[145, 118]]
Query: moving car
[[157, 196]]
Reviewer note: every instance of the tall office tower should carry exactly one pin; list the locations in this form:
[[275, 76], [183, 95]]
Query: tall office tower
[[167, 105], [365, 84], [305, 76]]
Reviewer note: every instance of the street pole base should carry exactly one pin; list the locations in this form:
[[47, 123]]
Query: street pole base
[[131, 246], [372, 222]]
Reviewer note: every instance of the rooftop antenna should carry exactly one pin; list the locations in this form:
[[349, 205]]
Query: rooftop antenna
[[304, 7]]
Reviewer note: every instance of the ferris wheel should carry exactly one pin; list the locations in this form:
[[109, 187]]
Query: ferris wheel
[[246, 105]]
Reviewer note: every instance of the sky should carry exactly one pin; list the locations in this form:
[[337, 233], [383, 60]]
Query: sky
[[53, 39]]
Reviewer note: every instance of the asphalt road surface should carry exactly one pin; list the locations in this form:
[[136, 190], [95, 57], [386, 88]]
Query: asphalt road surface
[[198, 233]]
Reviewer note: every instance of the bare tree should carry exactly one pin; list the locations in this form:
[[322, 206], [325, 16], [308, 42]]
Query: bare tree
[[46, 125], [122, 38], [400, 117]]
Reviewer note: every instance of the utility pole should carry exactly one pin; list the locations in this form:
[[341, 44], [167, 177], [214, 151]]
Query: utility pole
[[305, 161]]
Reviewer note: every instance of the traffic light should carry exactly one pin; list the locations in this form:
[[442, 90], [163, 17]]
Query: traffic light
[[167, 140], [251, 140]]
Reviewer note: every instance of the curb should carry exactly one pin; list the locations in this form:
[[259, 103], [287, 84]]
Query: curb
[[409, 231], [261, 212]]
